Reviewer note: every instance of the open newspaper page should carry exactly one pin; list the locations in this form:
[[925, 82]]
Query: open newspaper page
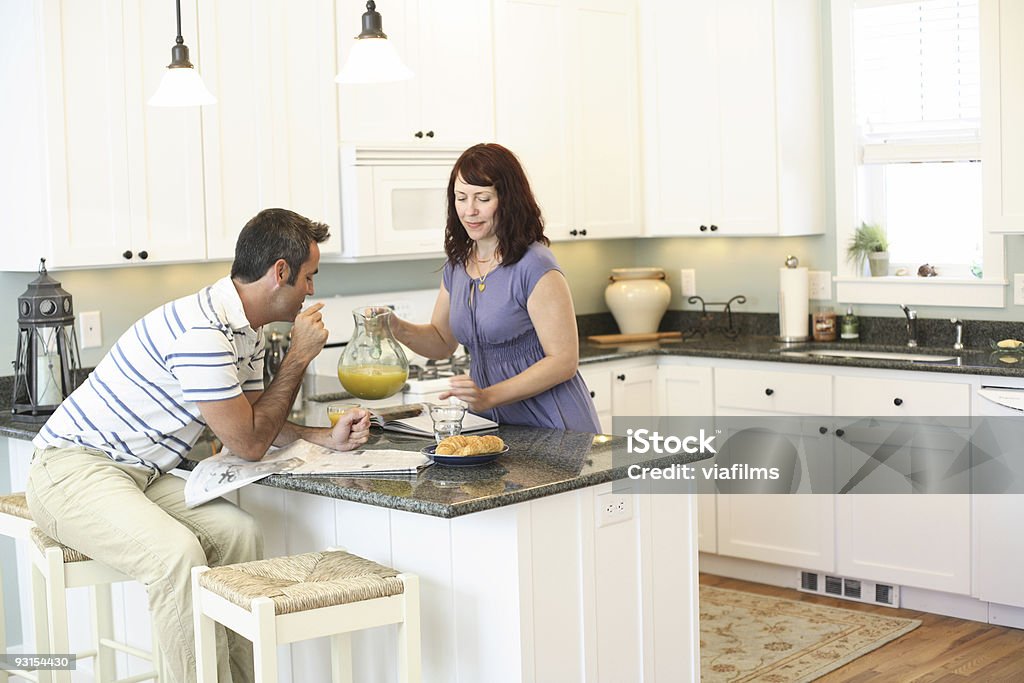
[[226, 471]]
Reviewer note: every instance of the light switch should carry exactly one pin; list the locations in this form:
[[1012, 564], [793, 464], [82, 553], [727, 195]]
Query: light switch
[[688, 282], [90, 330]]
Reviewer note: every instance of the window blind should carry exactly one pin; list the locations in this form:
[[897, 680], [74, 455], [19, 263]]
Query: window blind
[[917, 74]]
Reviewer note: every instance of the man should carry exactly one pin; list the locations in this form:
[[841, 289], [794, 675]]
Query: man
[[98, 480]]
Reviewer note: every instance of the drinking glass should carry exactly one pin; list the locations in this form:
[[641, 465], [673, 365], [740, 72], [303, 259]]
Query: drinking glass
[[447, 420], [336, 410]]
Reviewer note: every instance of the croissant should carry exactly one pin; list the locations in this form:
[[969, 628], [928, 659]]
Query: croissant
[[481, 445], [450, 444]]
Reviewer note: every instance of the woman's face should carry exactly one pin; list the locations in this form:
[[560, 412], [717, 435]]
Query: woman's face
[[476, 207]]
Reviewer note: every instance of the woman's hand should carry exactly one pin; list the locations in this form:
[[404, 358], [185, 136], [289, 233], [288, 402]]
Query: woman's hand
[[465, 389], [351, 432]]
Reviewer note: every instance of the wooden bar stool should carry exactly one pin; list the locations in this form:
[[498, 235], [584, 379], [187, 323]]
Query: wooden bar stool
[[15, 523], [288, 599], [56, 568]]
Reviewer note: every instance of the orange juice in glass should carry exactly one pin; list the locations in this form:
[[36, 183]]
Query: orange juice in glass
[[336, 410]]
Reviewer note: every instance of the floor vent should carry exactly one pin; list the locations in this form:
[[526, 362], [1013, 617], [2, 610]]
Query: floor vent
[[850, 589]]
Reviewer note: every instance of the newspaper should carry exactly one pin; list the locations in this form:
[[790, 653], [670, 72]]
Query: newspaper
[[226, 471]]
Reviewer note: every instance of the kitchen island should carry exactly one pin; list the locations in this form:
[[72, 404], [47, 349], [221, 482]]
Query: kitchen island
[[522, 577]]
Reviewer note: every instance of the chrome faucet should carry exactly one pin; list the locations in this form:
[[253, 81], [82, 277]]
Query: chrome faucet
[[911, 325], [958, 332]]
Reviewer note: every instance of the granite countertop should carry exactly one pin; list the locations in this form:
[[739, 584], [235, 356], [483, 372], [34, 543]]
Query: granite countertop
[[764, 348], [539, 463]]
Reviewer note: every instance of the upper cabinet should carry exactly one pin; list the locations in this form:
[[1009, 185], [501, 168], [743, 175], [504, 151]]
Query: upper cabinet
[[1002, 110], [272, 138], [733, 117], [450, 101], [567, 102], [101, 178]]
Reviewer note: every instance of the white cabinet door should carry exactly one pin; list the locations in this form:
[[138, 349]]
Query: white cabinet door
[[621, 388], [782, 528], [449, 101], [688, 390], [532, 110], [606, 119], [568, 107], [1002, 108], [710, 69], [913, 540], [272, 138]]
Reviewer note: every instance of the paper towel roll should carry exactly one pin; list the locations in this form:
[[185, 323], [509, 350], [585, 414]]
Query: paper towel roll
[[793, 290]]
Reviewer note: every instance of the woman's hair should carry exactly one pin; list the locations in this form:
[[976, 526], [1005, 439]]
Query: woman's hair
[[518, 222], [274, 234]]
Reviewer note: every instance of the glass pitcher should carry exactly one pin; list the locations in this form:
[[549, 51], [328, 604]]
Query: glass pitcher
[[373, 365]]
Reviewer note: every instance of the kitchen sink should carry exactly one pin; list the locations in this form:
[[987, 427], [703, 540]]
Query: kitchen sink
[[906, 356]]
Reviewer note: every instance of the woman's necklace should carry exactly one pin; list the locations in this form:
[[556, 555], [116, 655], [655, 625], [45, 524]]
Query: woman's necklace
[[483, 276], [481, 285]]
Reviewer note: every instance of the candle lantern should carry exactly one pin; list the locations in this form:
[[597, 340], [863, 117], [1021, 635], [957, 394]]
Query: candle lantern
[[46, 363]]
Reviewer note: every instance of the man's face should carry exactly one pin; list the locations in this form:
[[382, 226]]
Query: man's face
[[293, 296]]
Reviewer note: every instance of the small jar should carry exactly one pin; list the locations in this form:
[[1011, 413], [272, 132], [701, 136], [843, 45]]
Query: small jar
[[824, 324]]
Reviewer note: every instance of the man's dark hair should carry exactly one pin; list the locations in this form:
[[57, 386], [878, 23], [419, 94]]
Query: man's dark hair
[[274, 234]]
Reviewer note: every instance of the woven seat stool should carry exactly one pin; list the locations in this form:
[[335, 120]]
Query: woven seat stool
[[56, 568], [15, 523], [287, 599]]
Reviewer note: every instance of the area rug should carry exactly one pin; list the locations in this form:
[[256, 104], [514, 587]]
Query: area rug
[[748, 637]]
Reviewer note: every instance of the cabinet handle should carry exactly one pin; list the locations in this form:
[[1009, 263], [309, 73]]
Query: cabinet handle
[[143, 255], [593, 394], [127, 254], [897, 401], [769, 392], [418, 133], [574, 232], [621, 378], [430, 133], [823, 430], [840, 433], [583, 232], [703, 228], [714, 228]]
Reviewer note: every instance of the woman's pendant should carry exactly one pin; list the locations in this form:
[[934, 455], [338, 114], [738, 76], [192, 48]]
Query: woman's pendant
[[480, 287]]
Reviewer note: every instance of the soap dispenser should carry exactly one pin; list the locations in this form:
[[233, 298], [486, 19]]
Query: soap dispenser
[[851, 326]]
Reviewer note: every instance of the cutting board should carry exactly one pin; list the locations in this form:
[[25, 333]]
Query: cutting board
[[626, 338]]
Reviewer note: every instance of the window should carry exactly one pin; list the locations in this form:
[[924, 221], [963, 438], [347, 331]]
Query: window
[[908, 129]]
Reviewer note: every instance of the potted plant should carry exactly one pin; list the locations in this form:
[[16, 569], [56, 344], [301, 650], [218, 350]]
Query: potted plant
[[870, 244]]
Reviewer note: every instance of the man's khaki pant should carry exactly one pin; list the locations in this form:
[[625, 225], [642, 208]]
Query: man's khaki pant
[[108, 511]]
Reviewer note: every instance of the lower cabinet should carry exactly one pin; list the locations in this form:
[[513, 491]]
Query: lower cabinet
[[899, 537], [621, 388], [781, 528]]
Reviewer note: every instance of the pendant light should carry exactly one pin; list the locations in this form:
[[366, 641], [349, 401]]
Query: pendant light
[[373, 58], [181, 85]]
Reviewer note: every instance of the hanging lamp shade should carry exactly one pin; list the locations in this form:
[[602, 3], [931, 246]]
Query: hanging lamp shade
[[373, 58], [181, 85]]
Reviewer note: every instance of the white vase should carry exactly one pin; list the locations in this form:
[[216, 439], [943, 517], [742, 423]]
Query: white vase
[[638, 298]]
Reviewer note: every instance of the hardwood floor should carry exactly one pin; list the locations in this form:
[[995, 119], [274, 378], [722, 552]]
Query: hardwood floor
[[941, 650]]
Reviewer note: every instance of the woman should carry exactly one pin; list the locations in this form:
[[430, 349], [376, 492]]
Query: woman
[[504, 297]]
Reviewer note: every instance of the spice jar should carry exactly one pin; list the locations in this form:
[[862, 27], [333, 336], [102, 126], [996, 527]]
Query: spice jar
[[824, 324]]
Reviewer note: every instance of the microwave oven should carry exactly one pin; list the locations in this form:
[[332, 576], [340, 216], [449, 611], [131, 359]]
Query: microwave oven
[[394, 200]]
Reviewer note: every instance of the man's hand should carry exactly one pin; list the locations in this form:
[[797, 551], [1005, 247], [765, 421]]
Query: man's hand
[[351, 432], [308, 334]]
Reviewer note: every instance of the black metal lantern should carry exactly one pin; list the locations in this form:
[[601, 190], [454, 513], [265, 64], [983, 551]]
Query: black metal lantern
[[46, 363]]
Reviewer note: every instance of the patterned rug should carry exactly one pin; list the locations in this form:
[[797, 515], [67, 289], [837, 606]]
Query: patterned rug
[[748, 637]]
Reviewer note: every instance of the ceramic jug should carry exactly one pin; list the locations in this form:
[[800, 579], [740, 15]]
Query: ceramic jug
[[638, 298], [373, 365]]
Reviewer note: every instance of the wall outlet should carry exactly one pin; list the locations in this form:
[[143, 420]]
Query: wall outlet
[[90, 330], [1018, 289], [613, 508], [819, 284], [688, 282]]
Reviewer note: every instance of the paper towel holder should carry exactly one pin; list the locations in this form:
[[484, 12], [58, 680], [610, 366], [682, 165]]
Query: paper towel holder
[[791, 262]]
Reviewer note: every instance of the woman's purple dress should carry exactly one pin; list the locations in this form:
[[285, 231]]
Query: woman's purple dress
[[495, 327]]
